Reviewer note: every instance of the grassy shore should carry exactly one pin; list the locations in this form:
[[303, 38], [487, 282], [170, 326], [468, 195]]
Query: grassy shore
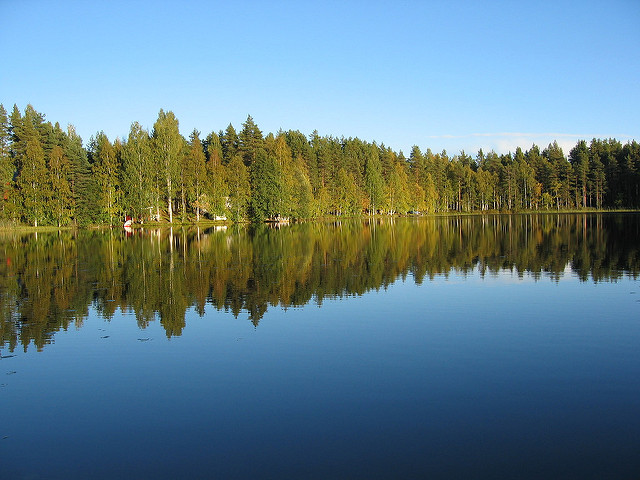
[[22, 228]]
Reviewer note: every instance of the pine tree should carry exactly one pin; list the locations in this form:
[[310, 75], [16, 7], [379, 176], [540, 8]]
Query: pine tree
[[374, 183], [84, 189], [265, 187], [597, 172], [229, 143], [213, 149], [629, 165], [560, 174], [579, 158], [7, 166], [417, 164], [18, 142], [354, 154], [105, 170], [611, 159], [251, 141], [540, 167]]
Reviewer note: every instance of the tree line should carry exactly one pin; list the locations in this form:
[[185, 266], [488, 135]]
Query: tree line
[[50, 281], [48, 177]]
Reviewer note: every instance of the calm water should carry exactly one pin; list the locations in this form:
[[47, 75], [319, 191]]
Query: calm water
[[461, 347]]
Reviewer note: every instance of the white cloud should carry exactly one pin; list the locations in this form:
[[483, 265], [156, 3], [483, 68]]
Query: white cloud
[[504, 142]]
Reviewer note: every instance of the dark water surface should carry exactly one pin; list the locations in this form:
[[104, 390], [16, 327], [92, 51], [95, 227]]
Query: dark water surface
[[459, 347]]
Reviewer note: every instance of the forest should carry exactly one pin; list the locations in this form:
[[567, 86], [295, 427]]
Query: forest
[[49, 177]]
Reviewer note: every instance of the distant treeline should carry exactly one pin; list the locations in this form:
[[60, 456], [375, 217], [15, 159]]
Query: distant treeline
[[49, 178], [50, 281]]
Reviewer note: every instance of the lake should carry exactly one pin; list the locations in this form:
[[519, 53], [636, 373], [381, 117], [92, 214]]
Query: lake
[[450, 347]]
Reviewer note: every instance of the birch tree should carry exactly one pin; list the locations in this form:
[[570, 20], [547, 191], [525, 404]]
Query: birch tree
[[167, 146]]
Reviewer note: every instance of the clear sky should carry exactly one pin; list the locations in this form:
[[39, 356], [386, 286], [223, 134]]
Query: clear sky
[[438, 74]]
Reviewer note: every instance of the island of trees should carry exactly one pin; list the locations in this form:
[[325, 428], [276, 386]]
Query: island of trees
[[48, 177]]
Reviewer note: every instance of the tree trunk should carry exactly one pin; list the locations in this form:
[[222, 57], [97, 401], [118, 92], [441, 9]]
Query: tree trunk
[[184, 204], [169, 199]]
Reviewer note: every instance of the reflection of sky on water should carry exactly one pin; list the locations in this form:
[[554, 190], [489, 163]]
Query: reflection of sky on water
[[460, 376], [454, 376]]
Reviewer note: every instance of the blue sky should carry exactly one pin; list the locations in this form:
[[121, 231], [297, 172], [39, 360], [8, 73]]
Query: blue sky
[[442, 75]]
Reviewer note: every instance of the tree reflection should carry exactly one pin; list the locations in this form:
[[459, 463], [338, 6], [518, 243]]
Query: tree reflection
[[49, 282]]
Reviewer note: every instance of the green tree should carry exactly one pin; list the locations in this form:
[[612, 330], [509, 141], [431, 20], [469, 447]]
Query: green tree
[[33, 183], [300, 147], [354, 153], [485, 185], [266, 187], [217, 190], [250, 141], [417, 164], [303, 201], [398, 190], [181, 181], [597, 173], [16, 129], [579, 159], [610, 157], [374, 183], [213, 149], [455, 179], [239, 188], [196, 173], [106, 171], [277, 146], [167, 147], [322, 161], [84, 188], [346, 197], [560, 175], [61, 197], [439, 165], [7, 167], [541, 168], [138, 173], [27, 130], [629, 173], [430, 194], [417, 197], [229, 143]]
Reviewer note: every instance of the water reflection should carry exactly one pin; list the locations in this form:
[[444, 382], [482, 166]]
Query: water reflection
[[50, 281]]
